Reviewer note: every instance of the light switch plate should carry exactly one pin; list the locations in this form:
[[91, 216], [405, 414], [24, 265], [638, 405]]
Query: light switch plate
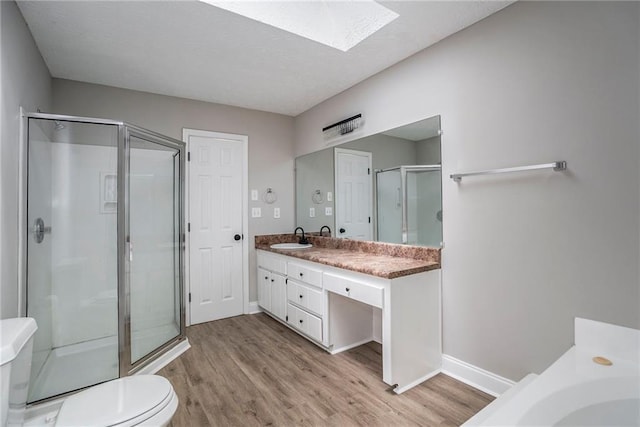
[[276, 212], [256, 212], [254, 195], [312, 212], [329, 196], [328, 211]]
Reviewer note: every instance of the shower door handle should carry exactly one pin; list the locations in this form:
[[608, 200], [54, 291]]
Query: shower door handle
[[39, 230]]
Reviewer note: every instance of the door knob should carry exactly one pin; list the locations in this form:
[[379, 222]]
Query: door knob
[[342, 230], [237, 237]]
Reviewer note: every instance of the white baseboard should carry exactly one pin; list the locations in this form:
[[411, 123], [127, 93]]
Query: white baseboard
[[254, 308], [350, 346], [476, 377], [399, 390]]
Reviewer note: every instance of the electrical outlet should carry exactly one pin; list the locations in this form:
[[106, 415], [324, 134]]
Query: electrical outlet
[[256, 212], [312, 212], [328, 211], [329, 196], [254, 195], [276, 212]]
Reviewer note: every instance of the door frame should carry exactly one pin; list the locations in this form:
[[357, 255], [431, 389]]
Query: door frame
[[244, 140], [336, 152]]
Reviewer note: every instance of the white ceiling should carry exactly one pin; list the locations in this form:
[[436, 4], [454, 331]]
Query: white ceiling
[[193, 50]]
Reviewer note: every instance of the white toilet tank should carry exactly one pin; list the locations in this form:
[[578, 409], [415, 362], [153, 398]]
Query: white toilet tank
[[16, 345]]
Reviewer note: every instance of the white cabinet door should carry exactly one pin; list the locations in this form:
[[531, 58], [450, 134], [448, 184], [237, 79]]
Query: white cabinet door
[[278, 296], [264, 289]]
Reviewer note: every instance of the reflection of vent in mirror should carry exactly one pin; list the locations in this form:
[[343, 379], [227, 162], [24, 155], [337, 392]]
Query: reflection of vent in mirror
[[316, 197]]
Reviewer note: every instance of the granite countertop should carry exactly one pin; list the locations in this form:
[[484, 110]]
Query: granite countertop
[[386, 260]]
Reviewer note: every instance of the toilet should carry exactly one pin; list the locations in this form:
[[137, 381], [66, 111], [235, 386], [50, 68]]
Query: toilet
[[139, 400]]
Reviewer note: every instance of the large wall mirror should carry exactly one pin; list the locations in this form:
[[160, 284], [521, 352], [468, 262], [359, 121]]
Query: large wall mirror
[[385, 187]]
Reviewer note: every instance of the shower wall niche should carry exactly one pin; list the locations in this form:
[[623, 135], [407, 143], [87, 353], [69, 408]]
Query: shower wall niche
[[104, 253]]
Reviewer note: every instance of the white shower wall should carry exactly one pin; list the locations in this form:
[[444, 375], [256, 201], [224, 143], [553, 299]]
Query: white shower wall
[[84, 279], [84, 260]]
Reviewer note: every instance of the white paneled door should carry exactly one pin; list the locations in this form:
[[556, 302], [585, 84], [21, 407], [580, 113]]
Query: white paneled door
[[353, 194], [217, 257]]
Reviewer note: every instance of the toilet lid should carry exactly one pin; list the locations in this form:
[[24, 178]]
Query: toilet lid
[[116, 402]]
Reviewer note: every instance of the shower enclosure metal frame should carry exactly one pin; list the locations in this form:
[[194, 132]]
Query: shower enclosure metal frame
[[403, 189], [125, 132]]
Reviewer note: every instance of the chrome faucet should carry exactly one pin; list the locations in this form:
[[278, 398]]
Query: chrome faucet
[[328, 229], [303, 240]]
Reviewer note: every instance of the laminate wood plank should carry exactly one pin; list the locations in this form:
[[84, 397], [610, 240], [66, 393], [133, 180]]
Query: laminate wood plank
[[253, 370]]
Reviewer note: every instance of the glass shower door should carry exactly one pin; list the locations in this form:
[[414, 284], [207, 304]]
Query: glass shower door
[[424, 207], [389, 206], [154, 240], [71, 266]]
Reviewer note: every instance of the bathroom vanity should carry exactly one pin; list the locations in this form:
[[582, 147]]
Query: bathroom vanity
[[342, 293]]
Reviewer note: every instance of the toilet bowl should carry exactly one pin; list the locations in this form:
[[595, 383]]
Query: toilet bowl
[[139, 400]]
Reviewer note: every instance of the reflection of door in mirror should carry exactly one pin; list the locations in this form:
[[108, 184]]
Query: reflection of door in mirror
[[353, 194]]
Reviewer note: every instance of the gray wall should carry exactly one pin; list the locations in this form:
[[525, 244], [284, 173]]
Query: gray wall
[[270, 140], [25, 82], [524, 254]]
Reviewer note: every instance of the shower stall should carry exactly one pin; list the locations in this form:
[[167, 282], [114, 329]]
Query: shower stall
[[102, 250], [409, 205]]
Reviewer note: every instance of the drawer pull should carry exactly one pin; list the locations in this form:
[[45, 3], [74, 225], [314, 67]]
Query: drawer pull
[[301, 274], [300, 296], [347, 289], [301, 320]]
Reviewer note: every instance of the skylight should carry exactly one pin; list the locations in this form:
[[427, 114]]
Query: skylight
[[339, 24]]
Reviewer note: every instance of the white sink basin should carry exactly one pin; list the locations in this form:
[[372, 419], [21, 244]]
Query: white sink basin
[[291, 246]]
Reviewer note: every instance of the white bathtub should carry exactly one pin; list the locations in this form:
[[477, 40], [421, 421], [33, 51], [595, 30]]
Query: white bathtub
[[574, 390]]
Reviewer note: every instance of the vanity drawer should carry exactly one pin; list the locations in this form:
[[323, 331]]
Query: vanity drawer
[[272, 263], [359, 291], [305, 322], [305, 274], [305, 296]]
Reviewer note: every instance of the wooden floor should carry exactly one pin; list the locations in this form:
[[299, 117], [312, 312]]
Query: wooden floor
[[251, 370]]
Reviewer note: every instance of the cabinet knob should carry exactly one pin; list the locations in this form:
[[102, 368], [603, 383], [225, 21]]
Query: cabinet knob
[[300, 296], [273, 280], [347, 289], [300, 320], [301, 274], [266, 277]]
